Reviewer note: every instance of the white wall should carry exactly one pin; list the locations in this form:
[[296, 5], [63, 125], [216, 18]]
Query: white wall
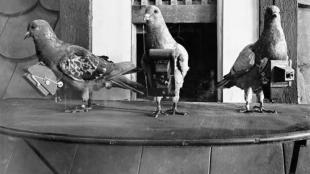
[[303, 54], [240, 27], [111, 36]]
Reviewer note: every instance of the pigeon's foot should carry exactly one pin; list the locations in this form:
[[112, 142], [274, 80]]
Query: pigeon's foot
[[176, 112], [157, 113], [91, 103], [95, 105], [263, 110], [75, 109], [245, 111]]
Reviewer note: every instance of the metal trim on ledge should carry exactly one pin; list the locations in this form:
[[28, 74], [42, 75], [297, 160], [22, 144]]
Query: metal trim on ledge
[[67, 138]]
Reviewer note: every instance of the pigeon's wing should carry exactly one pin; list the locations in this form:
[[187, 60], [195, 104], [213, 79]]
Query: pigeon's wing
[[244, 62], [105, 58], [182, 60], [81, 65]]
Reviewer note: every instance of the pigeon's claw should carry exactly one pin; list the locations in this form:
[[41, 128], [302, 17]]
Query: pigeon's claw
[[245, 111], [263, 110], [176, 112], [157, 113], [81, 108], [247, 107]]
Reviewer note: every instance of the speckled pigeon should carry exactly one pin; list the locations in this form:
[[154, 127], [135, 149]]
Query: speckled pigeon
[[77, 66]]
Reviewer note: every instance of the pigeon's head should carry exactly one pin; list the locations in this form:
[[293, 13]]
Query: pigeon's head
[[153, 16], [39, 28], [271, 13]]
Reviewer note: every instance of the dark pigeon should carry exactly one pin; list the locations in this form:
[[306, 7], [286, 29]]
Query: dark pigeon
[[249, 71]]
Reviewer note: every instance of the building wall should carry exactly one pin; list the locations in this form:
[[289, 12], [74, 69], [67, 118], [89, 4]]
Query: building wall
[[240, 27]]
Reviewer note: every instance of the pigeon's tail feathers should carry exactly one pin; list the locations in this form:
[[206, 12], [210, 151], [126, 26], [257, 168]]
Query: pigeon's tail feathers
[[222, 83], [227, 82], [125, 83], [106, 58], [135, 70], [120, 69], [125, 66]]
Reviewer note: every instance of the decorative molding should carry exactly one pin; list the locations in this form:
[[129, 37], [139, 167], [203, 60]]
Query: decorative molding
[[179, 13], [12, 44]]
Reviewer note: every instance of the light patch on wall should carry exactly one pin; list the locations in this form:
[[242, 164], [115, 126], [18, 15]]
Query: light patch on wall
[[303, 54], [240, 28], [112, 29], [111, 36]]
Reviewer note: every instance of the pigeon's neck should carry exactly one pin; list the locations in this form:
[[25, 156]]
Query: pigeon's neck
[[272, 43], [273, 32], [47, 48], [159, 37]]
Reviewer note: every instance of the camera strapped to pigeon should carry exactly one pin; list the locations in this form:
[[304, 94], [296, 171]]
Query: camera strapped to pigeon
[[43, 79], [160, 78]]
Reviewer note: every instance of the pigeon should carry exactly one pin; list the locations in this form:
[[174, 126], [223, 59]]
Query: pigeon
[[249, 71], [77, 66], [157, 36]]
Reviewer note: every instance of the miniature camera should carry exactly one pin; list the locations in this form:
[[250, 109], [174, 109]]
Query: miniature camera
[[160, 80]]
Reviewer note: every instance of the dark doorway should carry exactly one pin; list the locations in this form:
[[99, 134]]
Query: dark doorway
[[200, 41]]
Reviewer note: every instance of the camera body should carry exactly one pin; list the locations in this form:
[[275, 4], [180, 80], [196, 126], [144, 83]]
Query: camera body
[[160, 77], [282, 75], [43, 79]]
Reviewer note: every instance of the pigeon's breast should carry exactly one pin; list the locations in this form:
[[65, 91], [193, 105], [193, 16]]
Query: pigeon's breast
[[157, 40], [279, 51]]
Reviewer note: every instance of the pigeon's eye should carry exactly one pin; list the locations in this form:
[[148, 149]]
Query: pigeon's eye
[[155, 11], [32, 27]]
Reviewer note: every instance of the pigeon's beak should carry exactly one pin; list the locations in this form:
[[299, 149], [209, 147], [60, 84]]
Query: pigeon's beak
[[146, 17], [27, 35]]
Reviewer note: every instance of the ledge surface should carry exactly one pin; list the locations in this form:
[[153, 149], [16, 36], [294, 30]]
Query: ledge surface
[[131, 123]]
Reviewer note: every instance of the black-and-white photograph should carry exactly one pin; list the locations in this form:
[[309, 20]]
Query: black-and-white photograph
[[154, 86]]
